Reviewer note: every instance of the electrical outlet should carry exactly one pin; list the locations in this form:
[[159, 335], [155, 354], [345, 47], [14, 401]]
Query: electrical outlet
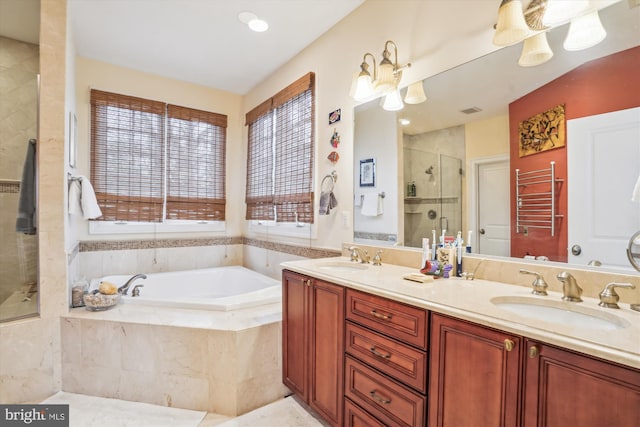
[[526, 230]]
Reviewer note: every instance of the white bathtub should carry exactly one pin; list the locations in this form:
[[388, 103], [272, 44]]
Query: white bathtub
[[220, 289]]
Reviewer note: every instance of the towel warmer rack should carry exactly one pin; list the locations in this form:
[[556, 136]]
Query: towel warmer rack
[[537, 209]]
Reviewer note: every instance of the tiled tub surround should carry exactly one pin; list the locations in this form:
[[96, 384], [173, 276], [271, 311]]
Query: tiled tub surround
[[223, 362], [471, 300], [101, 258]]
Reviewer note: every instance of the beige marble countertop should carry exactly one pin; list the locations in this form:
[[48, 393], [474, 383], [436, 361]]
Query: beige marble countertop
[[471, 300]]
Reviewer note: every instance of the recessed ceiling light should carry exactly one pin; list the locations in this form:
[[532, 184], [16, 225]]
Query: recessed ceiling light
[[253, 22]]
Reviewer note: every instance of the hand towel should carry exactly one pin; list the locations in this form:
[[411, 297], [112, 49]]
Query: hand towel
[[371, 205], [635, 197], [88, 201], [75, 193], [26, 219], [328, 201]]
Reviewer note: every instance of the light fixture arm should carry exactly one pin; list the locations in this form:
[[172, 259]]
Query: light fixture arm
[[397, 69], [364, 67]]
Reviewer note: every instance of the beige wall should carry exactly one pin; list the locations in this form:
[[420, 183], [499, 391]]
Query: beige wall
[[91, 74]]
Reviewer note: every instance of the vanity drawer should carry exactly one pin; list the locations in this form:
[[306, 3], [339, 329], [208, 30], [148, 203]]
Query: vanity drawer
[[387, 400], [354, 416], [403, 322], [395, 359]]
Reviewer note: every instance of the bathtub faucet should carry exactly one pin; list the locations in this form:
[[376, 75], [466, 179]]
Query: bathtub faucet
[[124, 288]]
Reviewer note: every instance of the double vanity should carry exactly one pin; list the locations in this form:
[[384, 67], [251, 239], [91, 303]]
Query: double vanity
[[365, 347]]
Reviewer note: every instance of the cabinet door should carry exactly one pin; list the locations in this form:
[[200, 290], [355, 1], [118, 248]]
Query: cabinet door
[[474, 375], [326, 316], [294, 332], [563, 388]]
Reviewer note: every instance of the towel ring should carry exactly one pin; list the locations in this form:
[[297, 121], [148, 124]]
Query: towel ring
[[333, 176]]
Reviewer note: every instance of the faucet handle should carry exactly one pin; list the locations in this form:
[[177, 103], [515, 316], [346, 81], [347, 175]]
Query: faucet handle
[[354, 253], [377, 259], [539, 285], [609, 298]]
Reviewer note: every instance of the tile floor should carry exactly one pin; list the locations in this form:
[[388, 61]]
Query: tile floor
[[90, 411]]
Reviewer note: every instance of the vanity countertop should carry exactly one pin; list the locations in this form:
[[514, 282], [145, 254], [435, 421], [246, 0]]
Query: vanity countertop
[[471, 300]]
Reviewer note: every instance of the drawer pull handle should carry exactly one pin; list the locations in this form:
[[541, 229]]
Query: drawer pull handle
[[380, 315], [377, 353], [374, 396], [508, 344], [533, 352]]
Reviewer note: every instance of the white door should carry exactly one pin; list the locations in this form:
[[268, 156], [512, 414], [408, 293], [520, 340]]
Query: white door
[[493, 228], [603, 161]]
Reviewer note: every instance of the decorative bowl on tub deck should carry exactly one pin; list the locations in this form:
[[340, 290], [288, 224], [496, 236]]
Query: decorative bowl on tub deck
[[100, 302]]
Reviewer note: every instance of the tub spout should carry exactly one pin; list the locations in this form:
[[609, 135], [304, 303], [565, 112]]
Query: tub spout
[[125, 288]]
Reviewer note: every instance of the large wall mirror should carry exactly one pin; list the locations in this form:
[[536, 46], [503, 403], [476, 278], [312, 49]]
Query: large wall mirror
[[19, 69], [452, 166]]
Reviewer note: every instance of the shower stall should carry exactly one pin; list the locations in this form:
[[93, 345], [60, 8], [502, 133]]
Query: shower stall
[[437, 202], [18, 125]]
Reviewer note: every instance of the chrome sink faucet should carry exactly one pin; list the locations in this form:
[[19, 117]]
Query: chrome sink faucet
[[125, 288], [358, 254], [570, 289]]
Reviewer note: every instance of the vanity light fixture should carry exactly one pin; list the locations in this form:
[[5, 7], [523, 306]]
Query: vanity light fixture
[[415, 93], [535, 51], [561, 11], [385, 80], [585, 31], [511, 27]]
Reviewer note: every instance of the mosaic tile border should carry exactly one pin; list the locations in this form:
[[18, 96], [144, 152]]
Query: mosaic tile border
[[117, 245], [9, 187], [385, 237], [292, 249]]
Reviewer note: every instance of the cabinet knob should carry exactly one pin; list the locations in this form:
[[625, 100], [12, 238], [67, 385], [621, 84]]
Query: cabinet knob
[[508, 344], [533, 351]]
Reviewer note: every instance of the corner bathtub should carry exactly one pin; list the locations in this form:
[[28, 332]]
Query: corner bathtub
[[218, 289]]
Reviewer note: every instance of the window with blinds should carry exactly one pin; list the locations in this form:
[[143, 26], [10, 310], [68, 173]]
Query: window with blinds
[[151, 161], [280, 155]]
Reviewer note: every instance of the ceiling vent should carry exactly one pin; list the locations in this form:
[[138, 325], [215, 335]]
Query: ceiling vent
[[471, 110]]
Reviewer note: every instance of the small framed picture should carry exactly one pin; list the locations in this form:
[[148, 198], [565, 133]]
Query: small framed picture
[[73, 140], [368, 172]]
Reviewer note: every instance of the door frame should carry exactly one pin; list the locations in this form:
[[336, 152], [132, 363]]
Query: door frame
[[472, 203]]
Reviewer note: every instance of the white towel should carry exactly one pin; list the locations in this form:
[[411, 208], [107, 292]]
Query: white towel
[[372, 205], [74, 198], [635, 197], [90, 208], [85, 197]]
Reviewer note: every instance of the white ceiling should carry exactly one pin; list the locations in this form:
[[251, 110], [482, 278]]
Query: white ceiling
[[201, 41]]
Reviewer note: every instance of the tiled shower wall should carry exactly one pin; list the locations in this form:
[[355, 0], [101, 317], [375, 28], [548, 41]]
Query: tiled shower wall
[[19, 64]]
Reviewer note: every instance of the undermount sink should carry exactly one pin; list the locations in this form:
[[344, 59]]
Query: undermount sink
[[343, 266], [566, 313]]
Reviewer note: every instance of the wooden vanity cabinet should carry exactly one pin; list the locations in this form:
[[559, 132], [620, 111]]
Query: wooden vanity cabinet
[[313, 342], [385, 362], [563, 388], [485, 377], [474, 375]]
